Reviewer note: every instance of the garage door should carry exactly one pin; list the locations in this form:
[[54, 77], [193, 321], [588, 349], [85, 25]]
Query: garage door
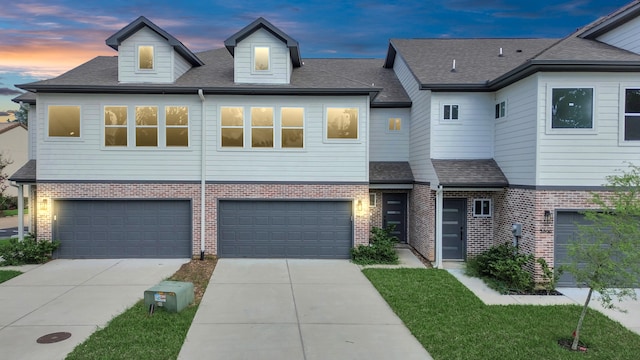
[[109, 229], [566, 230], [285, 229]]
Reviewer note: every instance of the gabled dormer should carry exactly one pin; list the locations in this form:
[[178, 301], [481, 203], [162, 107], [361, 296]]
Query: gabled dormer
[[263, 54], [148, 54], [619, 29]]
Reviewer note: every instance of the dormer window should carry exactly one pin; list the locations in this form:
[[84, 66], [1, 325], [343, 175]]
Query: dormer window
[[261, 59], [145, 57]]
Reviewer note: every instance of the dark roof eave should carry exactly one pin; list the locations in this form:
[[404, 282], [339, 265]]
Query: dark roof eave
[[194, 89], [474, 185], [391, 104], [534, 66], [612, 23], [391, 181]]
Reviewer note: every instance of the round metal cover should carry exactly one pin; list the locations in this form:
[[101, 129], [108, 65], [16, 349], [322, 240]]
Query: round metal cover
[[53, 337]]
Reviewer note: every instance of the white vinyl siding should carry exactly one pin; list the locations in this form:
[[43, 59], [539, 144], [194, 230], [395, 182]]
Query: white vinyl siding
[[420, 135], [385, 145], [180, 66], [33, 131], [280, 61], [577, 159], [468, 137], [625, 36], [163, 64], [515, 139]]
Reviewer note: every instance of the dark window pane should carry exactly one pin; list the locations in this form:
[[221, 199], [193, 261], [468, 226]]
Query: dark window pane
[[292, 138], [632, 101], [447, 112], [178, 136], [115, 136], [232, 137], [146, 136], [262, 137], [454, 112], [632, 127], [497, 111], [503, 109], [572, 108]]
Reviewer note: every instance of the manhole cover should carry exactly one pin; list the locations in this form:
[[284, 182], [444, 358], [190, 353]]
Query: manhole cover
[[53, 337]]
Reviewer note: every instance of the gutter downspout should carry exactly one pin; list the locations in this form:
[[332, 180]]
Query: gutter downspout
[[20, 210], [203, 178], [439, 202]]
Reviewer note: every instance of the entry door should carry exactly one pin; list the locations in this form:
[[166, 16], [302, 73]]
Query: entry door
[[454, 229], [394, 212]]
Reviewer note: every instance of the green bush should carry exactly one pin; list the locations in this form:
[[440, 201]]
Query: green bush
[[28, 251], [380, 250], [505, 265]]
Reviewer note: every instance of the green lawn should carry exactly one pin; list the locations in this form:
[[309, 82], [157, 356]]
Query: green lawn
[[8, 274], [136, 335], [13, 212], [452, 323]]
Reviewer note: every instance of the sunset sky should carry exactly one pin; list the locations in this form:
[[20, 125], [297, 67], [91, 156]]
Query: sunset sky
[[42, 39]]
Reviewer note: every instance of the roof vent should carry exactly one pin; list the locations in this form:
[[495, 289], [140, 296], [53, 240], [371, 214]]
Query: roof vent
[[500, 54], [519, 50], [453, 67]]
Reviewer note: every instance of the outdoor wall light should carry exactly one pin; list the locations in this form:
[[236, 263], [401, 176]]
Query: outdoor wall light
[[359, 206], [547, 216], [44, 205]]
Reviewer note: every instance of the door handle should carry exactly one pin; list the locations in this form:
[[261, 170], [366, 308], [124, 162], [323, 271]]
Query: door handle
[[461, 234]]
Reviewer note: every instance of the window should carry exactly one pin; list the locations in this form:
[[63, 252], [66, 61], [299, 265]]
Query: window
[[147, 126], [482, 207], [115, 126], [450, 112], [64, 121], [632, 115], [342, 123], [145, 57], [261, 58], [395, 124], [372, 199], [262, 127], [292, 126], [177, 125], [572, 108], [232, 122], [501, 109]]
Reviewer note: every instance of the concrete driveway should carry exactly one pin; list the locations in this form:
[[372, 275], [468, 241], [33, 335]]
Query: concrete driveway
[[296, 309], [75, 296]]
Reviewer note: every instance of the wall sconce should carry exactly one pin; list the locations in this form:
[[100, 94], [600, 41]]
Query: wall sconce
[[359, 206], [44, 205], [547, 216]]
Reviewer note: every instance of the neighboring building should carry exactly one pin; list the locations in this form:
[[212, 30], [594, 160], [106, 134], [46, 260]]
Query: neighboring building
[[251, 151], [14, 145]]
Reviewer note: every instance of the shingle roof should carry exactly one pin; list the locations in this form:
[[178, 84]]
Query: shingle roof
[[26, 174], [613, 20], [116, 39], [469, 173], [390, 173], [27, 98], [361, 76]]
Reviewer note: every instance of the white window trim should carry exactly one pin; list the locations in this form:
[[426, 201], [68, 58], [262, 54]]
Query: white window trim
[[402, 125], [549, 130], [502, 117], [272, 127], [279, 127], [104, 128], [325, 123], [159, 132], [163, 122], [483, 215], [442, 113], [255, 71], [373, 196], [621, 121], [220, 127], [138, 70], [62, 138]]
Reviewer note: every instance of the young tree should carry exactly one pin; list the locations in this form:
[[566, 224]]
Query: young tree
[[4, 162], [605, 256], [22, 115]]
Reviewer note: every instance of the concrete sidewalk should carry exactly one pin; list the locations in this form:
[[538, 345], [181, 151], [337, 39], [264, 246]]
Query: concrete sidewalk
[[571, 296], [75, 296], [296, 309]]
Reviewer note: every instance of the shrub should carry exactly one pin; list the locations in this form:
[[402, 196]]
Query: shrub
[[505, 265], [380, 249], [28, 251], [550, 276]]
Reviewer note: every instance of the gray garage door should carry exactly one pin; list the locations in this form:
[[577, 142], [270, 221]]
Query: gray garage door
[[110, 229], [566, 230], [285, 229]]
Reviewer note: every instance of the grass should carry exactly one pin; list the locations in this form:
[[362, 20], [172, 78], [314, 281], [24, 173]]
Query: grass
[[13, 212], [135, 334], [8, 274], [452, 323]]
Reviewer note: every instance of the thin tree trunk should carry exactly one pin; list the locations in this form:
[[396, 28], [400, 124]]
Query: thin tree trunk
[[576, 338]]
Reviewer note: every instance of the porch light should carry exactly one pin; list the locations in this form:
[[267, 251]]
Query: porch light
[[44, 205], [547, 216], [359, 206]]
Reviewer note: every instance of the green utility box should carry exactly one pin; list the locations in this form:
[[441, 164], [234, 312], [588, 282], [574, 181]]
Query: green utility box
[[171, 295]]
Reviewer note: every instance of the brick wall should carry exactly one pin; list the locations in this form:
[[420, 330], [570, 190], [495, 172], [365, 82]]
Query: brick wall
[[421, 220], [214, 192]]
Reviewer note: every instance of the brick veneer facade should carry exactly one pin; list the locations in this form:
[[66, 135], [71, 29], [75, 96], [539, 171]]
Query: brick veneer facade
[[421, 220], [214, 192]]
